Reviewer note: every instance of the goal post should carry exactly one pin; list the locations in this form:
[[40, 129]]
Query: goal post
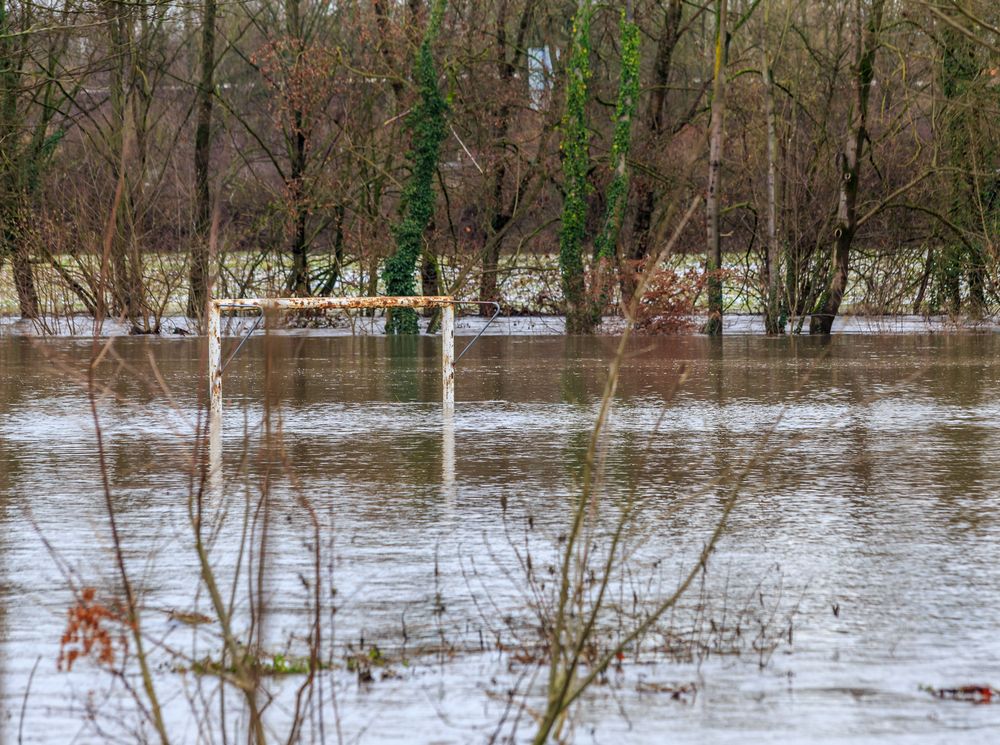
[[216, 307]]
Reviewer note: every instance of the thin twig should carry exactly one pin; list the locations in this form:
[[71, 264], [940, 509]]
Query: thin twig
[[24, 702]]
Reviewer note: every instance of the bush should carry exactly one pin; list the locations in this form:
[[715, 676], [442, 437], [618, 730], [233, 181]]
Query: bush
[[667, 306]]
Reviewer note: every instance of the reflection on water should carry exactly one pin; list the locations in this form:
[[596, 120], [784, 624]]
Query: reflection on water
[[874, 515]]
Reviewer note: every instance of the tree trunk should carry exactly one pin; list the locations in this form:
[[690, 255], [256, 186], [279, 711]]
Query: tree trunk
[[713, 265], [427, 123], [24, 276], [489, 281], [198, 275], [501, 213], [924, 279], [773, 321], [606, 244], [335, 272], [13, 237], [430, 284], [501, 124], [125, 289], [821, 321], [576, 164], [635, 251], [958, 71], [298, 281]]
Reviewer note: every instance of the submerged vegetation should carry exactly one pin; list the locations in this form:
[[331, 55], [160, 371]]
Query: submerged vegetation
[[427, 124]]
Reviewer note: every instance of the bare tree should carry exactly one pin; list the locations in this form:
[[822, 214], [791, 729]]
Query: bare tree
[[713, 264], [199, 270], [868, 30]]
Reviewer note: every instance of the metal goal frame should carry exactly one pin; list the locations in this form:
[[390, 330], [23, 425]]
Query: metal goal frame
[[216, 307]]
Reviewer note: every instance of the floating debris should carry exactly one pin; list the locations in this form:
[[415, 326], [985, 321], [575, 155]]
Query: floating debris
[[974, 694], [678, 692], [188, 618]]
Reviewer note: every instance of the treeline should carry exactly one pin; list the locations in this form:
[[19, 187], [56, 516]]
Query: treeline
[[152, 153]]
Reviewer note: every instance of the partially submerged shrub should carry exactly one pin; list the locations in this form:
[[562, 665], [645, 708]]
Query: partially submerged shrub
[[667, 306]]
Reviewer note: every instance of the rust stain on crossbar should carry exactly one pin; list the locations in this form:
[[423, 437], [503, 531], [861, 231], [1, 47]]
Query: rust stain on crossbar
[[320, 303]]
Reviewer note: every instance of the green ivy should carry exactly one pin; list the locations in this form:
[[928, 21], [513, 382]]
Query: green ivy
[[575, 150], [43, 154], [628, 93], [582, 312], [426, 123], [606, 244], [959, 262]]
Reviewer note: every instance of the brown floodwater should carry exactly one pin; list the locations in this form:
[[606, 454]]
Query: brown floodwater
[[861, 557]]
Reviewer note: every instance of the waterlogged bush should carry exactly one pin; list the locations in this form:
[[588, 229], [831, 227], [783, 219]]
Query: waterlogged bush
[[668, 303]]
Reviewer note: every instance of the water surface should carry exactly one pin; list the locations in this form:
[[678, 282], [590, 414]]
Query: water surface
[[868, 522]]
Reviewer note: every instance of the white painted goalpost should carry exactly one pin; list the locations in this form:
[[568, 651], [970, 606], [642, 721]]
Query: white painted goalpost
[[215, 308]]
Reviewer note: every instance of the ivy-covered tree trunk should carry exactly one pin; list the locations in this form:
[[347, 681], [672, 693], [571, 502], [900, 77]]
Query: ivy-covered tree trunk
[[606, 245], [12, 239], [29, 136], [959, 69], [576, 163], [427, 124], [584, 308], [15, 245]]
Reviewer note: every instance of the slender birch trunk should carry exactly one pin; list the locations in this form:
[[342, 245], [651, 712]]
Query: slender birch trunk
[[713, 264], [773, 322]]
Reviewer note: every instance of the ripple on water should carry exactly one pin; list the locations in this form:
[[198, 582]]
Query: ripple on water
[[872, 514]]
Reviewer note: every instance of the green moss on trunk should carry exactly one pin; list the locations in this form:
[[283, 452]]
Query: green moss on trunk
[[575, 148], [426, 123]]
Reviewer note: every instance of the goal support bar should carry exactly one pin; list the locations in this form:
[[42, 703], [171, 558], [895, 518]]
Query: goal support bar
[[216, 307]]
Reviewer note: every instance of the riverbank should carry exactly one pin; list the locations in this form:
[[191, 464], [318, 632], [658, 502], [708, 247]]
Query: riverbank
[[469, 325], [528, 286]]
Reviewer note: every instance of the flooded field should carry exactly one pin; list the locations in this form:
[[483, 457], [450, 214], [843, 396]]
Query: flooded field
[[859, 564]]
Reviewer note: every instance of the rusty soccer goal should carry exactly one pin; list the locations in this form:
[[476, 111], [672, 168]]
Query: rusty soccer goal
[[216, 307]]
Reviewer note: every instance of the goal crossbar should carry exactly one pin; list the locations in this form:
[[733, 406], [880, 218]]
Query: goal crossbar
[[215, 308]]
